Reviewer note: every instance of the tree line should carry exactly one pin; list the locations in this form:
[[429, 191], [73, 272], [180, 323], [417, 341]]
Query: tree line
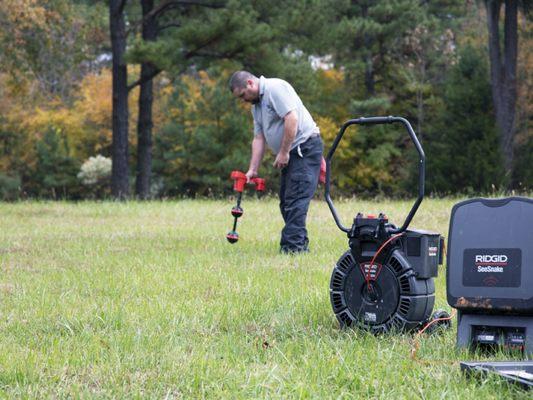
[[129, 98]]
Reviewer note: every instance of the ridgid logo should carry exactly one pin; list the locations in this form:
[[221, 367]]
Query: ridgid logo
[[491, 262], [498, 267], [496, 258]]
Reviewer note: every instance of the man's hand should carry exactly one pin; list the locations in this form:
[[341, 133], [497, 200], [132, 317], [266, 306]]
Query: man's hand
[[250, 174], [289, 133], [282, 160]]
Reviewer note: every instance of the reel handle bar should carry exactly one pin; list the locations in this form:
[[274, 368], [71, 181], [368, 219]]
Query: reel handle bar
[[421, 165]]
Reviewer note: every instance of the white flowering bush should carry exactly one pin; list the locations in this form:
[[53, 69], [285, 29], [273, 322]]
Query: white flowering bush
[[95, 170]]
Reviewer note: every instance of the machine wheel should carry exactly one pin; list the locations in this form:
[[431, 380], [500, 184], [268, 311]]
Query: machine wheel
[[394, 300]]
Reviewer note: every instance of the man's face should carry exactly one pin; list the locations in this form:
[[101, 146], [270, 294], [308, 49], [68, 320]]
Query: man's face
[[249, 94]]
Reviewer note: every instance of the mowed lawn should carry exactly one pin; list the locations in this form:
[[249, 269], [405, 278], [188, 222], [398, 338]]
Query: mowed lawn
[[149, 300]]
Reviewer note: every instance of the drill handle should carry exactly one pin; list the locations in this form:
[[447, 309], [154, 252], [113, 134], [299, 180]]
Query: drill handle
[[239, 179], [259, 184]]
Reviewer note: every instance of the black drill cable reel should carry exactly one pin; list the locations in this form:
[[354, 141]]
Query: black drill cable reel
[[385, 281]]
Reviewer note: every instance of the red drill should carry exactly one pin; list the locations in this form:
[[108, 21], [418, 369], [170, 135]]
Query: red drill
[[239, 179]]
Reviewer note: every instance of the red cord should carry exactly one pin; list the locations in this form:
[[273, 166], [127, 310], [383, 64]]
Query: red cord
[[434, 321], [367, 273], [415, 345]]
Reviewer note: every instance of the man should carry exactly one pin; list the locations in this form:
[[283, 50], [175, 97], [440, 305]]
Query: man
[[282, 122]]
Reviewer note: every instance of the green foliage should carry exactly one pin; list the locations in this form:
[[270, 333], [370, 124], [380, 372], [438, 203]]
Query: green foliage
[[366, 40], [371, 161], [524, 160], [207, 35], [9, 187], [54, 173], [11, 146], [393, 55], [382, 57], [463, 150], [208, 137]]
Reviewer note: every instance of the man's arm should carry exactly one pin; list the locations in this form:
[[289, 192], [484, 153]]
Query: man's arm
[[289, 133], [258, 150]]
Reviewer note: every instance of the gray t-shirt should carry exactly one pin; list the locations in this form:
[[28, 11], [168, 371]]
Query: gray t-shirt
[[277, 99]]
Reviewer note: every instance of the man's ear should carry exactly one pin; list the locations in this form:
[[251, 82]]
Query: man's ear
[[250, 83]]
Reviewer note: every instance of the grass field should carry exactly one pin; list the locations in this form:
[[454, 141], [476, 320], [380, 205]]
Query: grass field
[[148, 300]]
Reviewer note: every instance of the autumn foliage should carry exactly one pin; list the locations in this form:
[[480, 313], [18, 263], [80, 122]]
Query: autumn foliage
[[56, 101]]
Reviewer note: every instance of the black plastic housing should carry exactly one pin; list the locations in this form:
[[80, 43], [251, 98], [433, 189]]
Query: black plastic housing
[[424, 252], [490, 256], [410, 262], [490, 272]]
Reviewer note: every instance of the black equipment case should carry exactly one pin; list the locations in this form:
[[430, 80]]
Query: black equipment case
[[490, 272]]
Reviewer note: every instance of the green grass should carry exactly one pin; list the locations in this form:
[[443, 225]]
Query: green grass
[[148, 300]]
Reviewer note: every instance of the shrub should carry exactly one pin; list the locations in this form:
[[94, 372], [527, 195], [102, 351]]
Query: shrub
[[9, 187], [95, 173]]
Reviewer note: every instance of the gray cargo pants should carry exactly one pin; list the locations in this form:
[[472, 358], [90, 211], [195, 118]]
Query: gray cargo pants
[[299, 181]]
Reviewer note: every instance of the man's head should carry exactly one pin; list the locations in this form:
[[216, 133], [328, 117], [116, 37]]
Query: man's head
[[245, 86]]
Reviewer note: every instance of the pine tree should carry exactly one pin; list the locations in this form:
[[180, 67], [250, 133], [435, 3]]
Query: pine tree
[[463, 154]]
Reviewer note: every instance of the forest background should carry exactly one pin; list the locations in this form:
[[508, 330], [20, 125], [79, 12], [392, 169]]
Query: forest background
[[129, 98]]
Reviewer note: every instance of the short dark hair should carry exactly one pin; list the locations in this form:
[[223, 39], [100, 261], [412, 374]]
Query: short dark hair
[[239, 78]]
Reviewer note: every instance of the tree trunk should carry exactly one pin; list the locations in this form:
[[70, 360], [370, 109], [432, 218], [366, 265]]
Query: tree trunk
[[503, 74], [144, 123], [120, 169]]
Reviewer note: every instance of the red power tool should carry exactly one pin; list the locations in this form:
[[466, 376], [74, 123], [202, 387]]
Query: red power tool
[[239, 183]]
